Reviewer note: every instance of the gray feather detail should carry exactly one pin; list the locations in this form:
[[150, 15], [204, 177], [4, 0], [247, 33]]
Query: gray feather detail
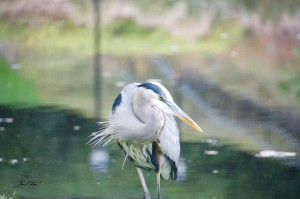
[[103, 136], [170, 148]]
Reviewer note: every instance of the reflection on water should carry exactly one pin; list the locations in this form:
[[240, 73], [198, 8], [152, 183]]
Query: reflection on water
[[181, 172], [43, 144], [99, 159]]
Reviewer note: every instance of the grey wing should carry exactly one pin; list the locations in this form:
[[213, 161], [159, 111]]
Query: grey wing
[[170, 148]]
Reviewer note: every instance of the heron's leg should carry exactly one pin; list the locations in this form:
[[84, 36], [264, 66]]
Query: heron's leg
[[158, 184], [143, 182], [158, 158]]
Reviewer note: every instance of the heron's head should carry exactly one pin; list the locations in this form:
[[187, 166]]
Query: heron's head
[[162, 99]]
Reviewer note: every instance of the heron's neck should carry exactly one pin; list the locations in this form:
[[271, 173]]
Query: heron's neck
[[137, 120], [150, 117]]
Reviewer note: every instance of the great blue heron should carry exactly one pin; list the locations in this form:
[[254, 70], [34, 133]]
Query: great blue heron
[[142, 124]]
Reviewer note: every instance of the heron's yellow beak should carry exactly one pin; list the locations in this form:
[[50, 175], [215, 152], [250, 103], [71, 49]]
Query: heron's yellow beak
[[175, 110], [191, 122]]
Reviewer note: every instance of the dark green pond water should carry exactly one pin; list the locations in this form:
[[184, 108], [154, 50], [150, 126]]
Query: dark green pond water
[[44, 154]]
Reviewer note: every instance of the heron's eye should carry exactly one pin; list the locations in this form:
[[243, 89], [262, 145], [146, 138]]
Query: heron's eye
[[161, 97]]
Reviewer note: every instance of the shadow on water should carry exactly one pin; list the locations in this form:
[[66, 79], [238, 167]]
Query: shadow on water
[[48, 145]]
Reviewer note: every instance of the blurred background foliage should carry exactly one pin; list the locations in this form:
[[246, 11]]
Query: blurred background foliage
[[258, 41], [15, 88]]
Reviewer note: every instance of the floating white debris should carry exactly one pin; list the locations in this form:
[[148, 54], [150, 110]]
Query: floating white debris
[[25, 159], [215, 171], [1, 159], [2, 128], [13, 161], [76, 128], [211, 152], [274, 154], [9, 120]]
